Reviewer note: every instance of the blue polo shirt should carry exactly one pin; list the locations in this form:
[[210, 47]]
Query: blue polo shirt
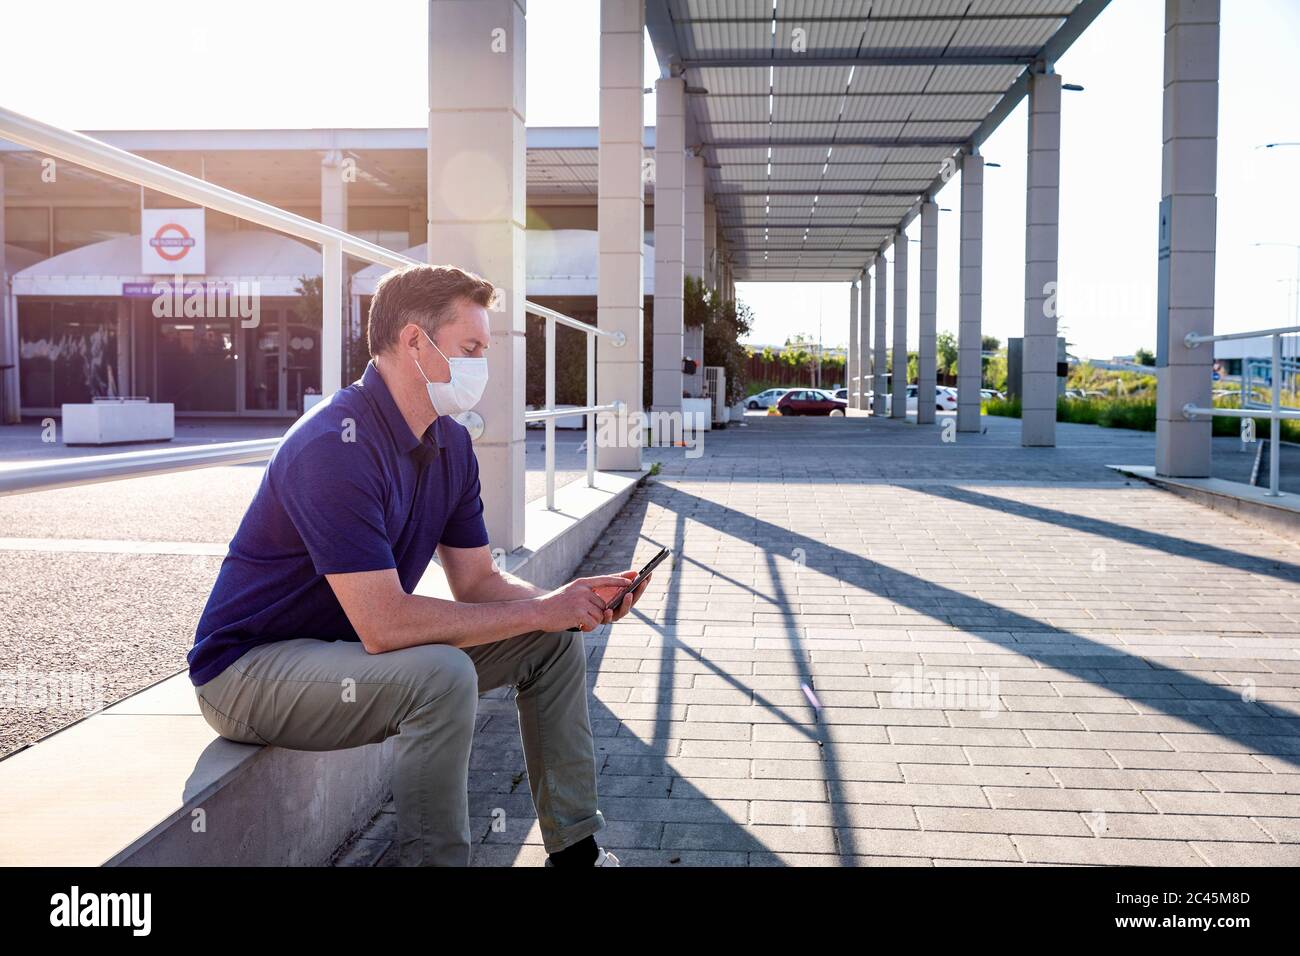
[[349, 489]]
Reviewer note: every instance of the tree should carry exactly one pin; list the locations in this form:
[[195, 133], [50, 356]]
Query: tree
[[945, 344], [1144, 357], [990, 343]]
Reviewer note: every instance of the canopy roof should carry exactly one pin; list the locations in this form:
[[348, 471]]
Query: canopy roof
[[815, 158], [275, 261]]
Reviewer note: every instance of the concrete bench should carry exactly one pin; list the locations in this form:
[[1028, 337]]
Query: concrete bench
[[147, 782]]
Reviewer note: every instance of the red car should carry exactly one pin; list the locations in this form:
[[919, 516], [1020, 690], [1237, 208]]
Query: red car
[[810, 401]]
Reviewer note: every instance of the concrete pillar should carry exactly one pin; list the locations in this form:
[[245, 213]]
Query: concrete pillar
[[970, 279], [621, 214], [898, 401], [710, 244], [851, 365], [8, 324], [476, 216], [695, 216], [864, 342], [925, 344], [334, 212], [670, 242], [1042, 199], [1188, 214], [882, 303]]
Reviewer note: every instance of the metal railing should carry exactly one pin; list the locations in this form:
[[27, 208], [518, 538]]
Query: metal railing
[[67, 472], [100, 156], [550, 413], [1275, 413]]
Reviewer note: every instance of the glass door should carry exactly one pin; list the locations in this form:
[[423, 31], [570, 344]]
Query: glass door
[[264, 365], [302, 361]]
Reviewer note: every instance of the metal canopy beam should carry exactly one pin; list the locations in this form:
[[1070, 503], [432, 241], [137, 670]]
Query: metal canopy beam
[[881, 18], [896, 193], [805, 251], [864, 58], [821, 142]]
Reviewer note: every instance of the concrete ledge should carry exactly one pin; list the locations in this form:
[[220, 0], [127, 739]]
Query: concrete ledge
[[1245, 502], [146, 781]]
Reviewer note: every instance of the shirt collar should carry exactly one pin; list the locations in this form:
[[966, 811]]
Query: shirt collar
[[374, 387]]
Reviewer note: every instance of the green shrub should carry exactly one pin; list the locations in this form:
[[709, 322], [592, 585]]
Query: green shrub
[[1138, 414], [1007, 407]]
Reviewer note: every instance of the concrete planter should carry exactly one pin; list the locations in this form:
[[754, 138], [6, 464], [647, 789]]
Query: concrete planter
[[112, 423]]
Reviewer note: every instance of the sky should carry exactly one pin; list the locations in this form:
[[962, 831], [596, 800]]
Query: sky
[[323, 63]]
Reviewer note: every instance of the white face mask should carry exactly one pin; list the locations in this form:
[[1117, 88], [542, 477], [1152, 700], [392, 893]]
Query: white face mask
[[469, 378]]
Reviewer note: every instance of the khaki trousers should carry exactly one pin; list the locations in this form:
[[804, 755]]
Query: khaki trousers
[[307, 694]]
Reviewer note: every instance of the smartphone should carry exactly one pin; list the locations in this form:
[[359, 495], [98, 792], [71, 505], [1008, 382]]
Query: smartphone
[[635, 583]]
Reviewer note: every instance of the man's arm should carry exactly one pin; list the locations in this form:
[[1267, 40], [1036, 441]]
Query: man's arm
[[474, 577], [386, 618]]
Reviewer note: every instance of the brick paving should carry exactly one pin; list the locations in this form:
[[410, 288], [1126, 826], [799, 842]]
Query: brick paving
[[878, 648]]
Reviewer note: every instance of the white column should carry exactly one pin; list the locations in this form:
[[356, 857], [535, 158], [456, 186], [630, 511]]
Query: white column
[[476, 216], [898, 350], [851, 365], [695, 216], [670, 242], [710, 244], [694, 266], [882, 304], [334, 212], [970, 278], [621, 214], [1038, 375], [1189, 173], [864, 342], [925, 344], [9, 324]]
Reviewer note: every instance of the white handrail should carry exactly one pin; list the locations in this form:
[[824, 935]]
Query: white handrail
[[68, 472], [1275, 413], [542, 414], [1193, 339], [549, 413]]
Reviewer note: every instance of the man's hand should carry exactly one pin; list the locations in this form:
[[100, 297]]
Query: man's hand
[[578, 604], [608, 594]]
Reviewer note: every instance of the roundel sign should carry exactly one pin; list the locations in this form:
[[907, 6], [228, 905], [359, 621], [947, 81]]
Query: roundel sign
[[171, 241]]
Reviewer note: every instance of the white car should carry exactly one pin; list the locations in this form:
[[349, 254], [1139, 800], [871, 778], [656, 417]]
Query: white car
[[988, 393], [945, 398], [765, 399]]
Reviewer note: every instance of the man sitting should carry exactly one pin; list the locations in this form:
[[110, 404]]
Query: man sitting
[[312, 638]]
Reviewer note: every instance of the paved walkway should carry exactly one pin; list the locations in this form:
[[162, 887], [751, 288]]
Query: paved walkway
[[878, 648]]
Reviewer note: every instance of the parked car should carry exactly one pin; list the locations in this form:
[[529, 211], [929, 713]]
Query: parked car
[[842, 394], [889, 402], [810, 401], [987, 393], [945, 398], [765, 399]]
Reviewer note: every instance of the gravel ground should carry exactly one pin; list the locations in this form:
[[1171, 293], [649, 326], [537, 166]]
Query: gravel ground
[[118, 621]]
